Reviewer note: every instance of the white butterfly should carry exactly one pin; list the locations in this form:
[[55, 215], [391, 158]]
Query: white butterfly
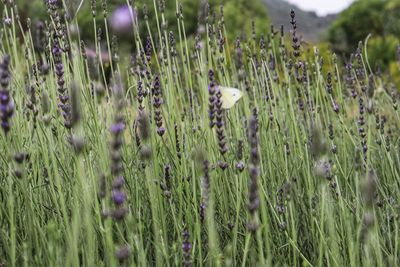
[[229, 96]]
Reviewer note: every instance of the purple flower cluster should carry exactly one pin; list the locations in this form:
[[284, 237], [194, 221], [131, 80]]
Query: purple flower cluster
[[148, 50], [177, 142], [281, 198], [118, 195], [254, 200], [172, 44], [212, 88], [141, 94], [350, 80], [63, 97], [359, 68], [295, 39], [361, 127], [186, 249], [166, 184], [222, 144], [329, 86], [6, 101], [60, 29], [157, 101]]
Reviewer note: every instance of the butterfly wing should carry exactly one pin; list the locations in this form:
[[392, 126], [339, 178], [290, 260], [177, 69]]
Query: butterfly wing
[[229, 96]]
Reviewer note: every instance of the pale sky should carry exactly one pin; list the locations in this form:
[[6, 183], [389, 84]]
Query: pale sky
[[322, 7]]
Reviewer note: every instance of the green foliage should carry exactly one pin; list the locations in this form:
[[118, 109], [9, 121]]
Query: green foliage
[[379, 18], [355, 23], [238, 14], [381, 49]]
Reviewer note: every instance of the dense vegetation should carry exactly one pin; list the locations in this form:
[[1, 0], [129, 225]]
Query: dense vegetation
[[238, 13], [380, 18], [130, 159]]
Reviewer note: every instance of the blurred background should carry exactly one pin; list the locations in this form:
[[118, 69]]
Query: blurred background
[[337, 25]]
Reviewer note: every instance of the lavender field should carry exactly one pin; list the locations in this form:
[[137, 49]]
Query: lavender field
[[143, 145]]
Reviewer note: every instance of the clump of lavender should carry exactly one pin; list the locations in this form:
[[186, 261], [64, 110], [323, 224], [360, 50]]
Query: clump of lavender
[[6, 101], [157, 101], [63, 97], [211, 98], [186, 249], [295, 39], [254, 200]]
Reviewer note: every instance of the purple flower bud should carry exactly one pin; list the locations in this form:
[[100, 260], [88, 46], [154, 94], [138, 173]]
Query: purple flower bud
[[161, 131], [122, 19], [117, 128], [118, 197]]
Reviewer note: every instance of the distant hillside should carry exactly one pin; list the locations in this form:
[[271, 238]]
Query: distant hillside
[[310, 25]]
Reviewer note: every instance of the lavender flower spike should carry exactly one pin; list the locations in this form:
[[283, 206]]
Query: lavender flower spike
[[6, 101]]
